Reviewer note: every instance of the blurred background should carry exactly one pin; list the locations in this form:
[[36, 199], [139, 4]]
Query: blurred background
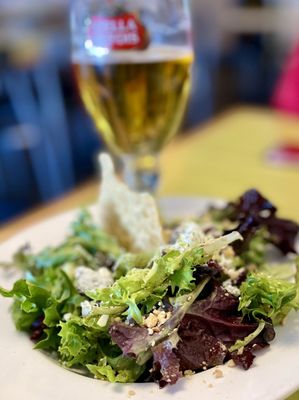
[[48, 143]]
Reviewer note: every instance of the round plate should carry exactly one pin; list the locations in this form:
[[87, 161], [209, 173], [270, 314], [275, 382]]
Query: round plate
[[29, 374]]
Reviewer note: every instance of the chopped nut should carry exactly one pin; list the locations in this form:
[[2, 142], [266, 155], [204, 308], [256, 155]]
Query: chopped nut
[[156, 329], [161, 314], [188, 373], [150, 331], [131, 393], [210, 385], [231, 364], [218, 373], [151, 321], [162, 318]]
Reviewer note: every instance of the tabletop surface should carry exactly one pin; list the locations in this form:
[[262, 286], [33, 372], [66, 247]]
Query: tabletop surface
[[221, 159]]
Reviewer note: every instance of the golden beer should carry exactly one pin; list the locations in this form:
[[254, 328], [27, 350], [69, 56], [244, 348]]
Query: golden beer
[[136, 100]]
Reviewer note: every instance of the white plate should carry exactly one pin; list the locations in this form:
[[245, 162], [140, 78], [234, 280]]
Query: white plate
[[30, 375]]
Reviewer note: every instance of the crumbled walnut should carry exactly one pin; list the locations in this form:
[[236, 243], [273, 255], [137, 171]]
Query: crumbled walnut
[[189, 373], [156, 318], [231, 364], [151, 321], [162, 317], [218, 373]]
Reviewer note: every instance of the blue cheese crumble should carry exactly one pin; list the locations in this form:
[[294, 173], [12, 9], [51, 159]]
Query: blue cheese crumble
[[88, 279]]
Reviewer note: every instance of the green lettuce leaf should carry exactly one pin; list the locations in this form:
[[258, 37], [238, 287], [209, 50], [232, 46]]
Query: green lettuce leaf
[[170, 270], [31, 297], [78, 344], [263, 296], [48, 296], [257, 249], [120, 369], [86, 244], [23, 320], [93, 239], [128, 261], [50, 340], [83, 343]]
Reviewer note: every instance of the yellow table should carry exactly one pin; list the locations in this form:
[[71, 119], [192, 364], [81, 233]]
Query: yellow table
[[228, 156], [222, 159]]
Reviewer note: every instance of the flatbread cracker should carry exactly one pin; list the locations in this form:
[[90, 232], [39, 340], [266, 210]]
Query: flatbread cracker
[[131, 217]]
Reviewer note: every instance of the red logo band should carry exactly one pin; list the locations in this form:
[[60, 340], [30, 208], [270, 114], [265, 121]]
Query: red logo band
[[123, 32]]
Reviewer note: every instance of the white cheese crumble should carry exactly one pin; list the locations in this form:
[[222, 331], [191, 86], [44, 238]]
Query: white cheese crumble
[[86, 308], [233, 273], [188, 234], [88, 279], [230, 288], [66, 317]]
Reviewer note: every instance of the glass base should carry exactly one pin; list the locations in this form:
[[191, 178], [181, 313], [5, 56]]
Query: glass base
[[141, 172]]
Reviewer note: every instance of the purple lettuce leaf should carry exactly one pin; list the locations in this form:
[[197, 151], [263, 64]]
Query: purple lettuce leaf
[[252, 203], [283, 234], [251, 212], [210, 327], [246, 357], [166, 365], [199, 350], [129, 338], [244, 360]]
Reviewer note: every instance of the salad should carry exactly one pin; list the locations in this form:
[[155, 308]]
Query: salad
[[212, 292]]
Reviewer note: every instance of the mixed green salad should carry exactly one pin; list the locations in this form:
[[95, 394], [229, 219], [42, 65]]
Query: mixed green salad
[[212, 293]]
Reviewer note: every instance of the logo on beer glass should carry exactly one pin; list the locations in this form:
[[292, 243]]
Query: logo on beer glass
[[122, 32]]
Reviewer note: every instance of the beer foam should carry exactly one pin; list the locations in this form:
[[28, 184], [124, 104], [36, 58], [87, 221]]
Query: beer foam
[[153, 54]]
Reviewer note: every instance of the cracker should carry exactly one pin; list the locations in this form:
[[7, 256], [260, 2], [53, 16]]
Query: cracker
[[131, 217]]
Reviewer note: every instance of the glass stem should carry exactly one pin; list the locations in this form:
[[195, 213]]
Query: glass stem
[[141, 172]]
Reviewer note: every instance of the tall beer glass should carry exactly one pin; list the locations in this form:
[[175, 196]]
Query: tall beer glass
[[132, 61]]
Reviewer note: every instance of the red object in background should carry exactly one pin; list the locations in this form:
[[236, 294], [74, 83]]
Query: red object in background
[[286, 94], [286, 154], [121, 32], [286, 98]]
